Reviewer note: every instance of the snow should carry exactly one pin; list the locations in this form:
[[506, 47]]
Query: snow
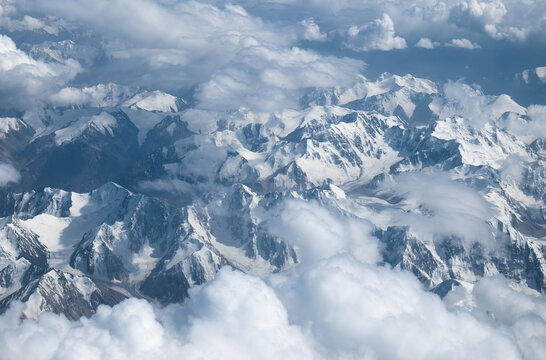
[[237, 257], [358, 91], [416, 84], [486, 146], [85, 286], [153, 101], [338, 193], [103, 123], [389, 92], [8, 124], [143, 120], [322, 113], [79, 201], [61, 234], [47, 121], [33, 306], [49, 228], [504, 104], [388, 82]]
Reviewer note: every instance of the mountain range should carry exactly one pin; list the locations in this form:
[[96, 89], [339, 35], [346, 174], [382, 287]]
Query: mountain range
[[142, 194]]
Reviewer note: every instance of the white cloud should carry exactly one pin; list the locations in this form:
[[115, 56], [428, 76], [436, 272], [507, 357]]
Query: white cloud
[[463, 44], [476, 12], [487, 16], [271, 79], [236, 316], [232, 58], [184, 45], [8, 174], [469, 103], [519, 313], [25, 81], [318, 234], [531, 128], [525, 76], [513, 20], [25, 23], [435, 205], [377, 35], [356, 310], [175, 188], [330, 306], [101, 95], [512, 169], [541, 73], [335, 308], [464, 101], [338, 303], [311, 31], [167, 46], [426, 43]]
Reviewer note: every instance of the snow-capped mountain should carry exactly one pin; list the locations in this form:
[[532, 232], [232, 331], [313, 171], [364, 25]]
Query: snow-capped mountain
[[70, 252], [197, 192]]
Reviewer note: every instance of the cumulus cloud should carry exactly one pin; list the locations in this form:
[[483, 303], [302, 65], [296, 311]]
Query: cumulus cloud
[[426, 43], [474, 12], [25, 81], [519, 313], [179, 46], [338, 303], [332, 307], [377, 35], [236, 316], [487, 16], [463, 44], [463, 100], [511, 20], [8, 174], [355, 310]]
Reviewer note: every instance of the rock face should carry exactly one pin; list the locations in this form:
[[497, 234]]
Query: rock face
[[132, 198]]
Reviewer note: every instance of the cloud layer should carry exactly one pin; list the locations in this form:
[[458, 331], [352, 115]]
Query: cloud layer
[[237, 54], [25, 81], [330, 306]]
